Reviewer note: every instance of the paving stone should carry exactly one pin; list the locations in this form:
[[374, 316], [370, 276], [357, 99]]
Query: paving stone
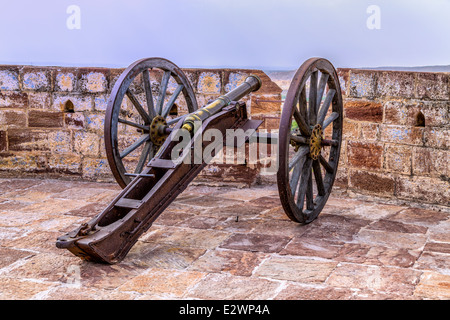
[[304, 246], [230, 287], [104, 276], [170, 218], [201, 222], [256, 242], [275, 213], [376, 255], [210, 201], [391, 239], [10, 256], [384, 279], [433, 261], [336, 228], [184, 237], [279, 227], [420, 216], [237, 224], [302, 292], [232, 244], [239, 263], [20, 289], [296, 269], [83, 293], [40, 241], [249, 195], [246, 209], [433, 286], [266, 202], [47, 267], [175, 282], [162, 256], [396, 226]]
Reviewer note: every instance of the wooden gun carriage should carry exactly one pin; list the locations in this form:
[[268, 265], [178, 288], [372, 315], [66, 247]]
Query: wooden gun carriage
[[309, 142]]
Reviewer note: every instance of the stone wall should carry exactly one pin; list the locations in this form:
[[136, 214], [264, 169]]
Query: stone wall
[[52, 118], [396, 127], [397, 134]]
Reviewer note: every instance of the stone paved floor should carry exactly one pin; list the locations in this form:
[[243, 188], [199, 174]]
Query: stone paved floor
[[217, 243]]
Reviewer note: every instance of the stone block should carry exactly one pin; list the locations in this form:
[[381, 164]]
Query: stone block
[[66, 163], [94, 122], [100, 102], [41, 100], [396, 84], [398, 158], [234, 79], [437, 137], [27, 140], [433, 286], [9, 78], [3, 141], [362, 84], [430, 162], [80, 102], [240, 263], [230, 287], [351, 130], [33, 162], [306, 271], [95, 168], [86, 143], [424, 189], [60, 141], [210, 82], [391, 280], [13, 118], [256, 242], [437, 114], [364, 154], [44, 119], [370, 131], [343, 76], [66, 79], [74, 120], [377, 183], [265, 104], [362, 110], [13, 99], [433, 86], [401, 134], [93, 80], [37, 79]]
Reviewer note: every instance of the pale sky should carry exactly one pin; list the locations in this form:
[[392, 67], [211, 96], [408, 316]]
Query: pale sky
[[265, 34]]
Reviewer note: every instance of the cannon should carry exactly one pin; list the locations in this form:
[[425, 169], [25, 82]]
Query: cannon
[[308, 140]]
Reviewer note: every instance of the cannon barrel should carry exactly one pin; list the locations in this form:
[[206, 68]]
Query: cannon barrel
[[252, 83]]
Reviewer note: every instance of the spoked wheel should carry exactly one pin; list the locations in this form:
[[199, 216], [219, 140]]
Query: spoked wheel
[[149, 98], [310, 140]]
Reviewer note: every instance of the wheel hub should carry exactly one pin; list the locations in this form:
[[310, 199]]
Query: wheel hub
[[315, 142], [158, 130]]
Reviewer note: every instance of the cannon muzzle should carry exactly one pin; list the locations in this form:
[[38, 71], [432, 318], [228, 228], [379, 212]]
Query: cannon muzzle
[[251, 84]]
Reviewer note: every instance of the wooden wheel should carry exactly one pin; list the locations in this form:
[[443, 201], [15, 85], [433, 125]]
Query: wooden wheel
[[310, 138], [149, 97]]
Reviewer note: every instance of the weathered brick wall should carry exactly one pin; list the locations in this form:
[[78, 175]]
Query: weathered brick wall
[[43, 135], [397, 134], [396, 127]]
